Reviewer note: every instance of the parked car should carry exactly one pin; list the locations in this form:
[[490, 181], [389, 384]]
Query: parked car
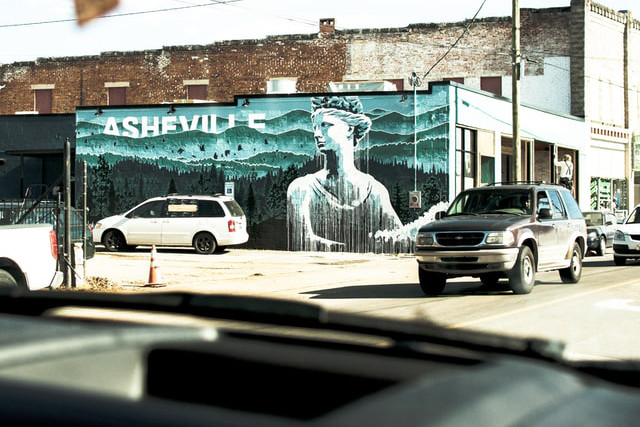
[[626, 241], [601, 227], [206, 222], [499, 231]]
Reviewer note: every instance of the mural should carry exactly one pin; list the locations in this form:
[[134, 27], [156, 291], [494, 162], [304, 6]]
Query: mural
[[338, 207], [339, 181]]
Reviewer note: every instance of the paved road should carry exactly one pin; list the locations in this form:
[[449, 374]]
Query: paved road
[[598, 316]]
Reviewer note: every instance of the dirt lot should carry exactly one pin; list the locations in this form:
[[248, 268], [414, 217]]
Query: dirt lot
[[240, 271]]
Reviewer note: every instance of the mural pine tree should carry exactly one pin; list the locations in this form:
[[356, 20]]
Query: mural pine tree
[[99, 189]]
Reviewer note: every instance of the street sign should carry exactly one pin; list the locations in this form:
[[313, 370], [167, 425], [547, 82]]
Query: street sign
[[229, 189], [415, 199]]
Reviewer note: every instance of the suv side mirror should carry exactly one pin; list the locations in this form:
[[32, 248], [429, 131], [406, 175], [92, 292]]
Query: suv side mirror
[[544, 213], [439, 215]]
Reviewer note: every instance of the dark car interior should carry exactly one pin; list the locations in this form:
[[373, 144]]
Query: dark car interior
[[256, 361]]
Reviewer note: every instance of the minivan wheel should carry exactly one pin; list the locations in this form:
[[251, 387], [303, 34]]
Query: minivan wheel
[[618, 260], [572, 273], [204, 243], [431, 283], [113, 241], [523, 275]]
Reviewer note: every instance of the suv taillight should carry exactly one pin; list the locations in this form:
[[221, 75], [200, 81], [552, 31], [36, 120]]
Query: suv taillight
[[232, 226], [54, 244]]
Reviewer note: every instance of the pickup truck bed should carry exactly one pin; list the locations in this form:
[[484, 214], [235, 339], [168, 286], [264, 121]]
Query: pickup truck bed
[[29, 257]]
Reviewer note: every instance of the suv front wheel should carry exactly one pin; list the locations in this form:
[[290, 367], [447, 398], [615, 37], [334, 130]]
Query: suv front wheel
[[523, 275], [431, 283]]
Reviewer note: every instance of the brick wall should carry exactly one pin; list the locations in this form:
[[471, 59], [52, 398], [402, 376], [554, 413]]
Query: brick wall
[[232, 68]]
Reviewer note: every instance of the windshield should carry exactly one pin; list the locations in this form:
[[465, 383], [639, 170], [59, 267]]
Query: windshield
[[325, 166], [594, 218], [495, 200]]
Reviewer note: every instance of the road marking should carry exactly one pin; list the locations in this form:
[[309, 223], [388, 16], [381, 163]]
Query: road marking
[[618, 304], [537, 306]]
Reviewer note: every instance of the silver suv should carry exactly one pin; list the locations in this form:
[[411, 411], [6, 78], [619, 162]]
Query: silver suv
[[208, 223], [503, 230]]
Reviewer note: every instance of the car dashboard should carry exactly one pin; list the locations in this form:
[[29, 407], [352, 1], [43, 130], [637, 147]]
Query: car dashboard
[[178, 359]]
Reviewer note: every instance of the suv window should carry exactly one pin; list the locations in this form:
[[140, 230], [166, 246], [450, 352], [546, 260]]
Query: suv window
[[572, 205], [210, 208], [558, 207], [543, 201], [491, 200]]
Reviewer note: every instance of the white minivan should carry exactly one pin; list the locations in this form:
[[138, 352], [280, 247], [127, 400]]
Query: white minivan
[[208, 223]]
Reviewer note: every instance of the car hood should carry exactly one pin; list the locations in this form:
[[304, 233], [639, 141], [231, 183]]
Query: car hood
[[111, 220], [488, 222], [629, 228]]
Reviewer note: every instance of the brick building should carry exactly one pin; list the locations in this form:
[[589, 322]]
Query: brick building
[[219, 71], [578, 60]]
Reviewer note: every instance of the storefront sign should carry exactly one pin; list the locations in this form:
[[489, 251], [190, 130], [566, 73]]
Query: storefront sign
[[636, 152]]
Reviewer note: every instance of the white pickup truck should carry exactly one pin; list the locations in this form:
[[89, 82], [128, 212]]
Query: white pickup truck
[[29, 257]]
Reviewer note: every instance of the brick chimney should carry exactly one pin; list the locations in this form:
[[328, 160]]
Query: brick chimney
[[327, 25]]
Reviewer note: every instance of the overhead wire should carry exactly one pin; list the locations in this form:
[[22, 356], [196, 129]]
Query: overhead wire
[[118, 15], [466, 29]]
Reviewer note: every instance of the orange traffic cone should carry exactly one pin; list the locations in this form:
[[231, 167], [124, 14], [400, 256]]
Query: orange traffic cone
[[154, 270]]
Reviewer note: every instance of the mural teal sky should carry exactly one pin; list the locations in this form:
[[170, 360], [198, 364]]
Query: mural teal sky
[[256, 139]]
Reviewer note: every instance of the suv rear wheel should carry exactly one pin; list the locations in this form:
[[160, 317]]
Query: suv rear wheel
[[572, 273], [523, 275], [431, 283]]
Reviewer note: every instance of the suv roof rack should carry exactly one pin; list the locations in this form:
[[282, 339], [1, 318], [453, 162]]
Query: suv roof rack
[[517, 182]]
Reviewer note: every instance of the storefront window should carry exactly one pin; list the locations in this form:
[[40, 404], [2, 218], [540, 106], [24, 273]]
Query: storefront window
[[465, 158]]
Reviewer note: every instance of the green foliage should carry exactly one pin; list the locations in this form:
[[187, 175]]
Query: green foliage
[[172, 187], [276, 203], [400, 203], [433, 191], [98, 189], [251, 205]]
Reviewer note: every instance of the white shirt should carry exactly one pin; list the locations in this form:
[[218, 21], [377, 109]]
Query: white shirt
[[566, 168]]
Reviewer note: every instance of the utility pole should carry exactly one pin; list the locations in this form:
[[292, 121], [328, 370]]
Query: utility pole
[[515, 90]]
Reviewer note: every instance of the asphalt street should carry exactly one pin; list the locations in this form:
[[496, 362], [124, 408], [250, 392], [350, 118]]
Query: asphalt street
[[596, 318]]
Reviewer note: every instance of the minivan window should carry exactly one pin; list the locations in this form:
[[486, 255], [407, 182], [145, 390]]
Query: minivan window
[[234, 208], [182, 208], [153, 209], [210, 209]]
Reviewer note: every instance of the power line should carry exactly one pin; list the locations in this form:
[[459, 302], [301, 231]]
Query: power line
[[119, 15], [466, 29]]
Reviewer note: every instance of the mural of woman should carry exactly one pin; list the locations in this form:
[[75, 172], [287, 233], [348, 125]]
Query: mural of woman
[[338, 208]]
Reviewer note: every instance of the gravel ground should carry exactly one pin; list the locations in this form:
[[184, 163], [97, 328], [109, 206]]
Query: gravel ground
[[242, 270]]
